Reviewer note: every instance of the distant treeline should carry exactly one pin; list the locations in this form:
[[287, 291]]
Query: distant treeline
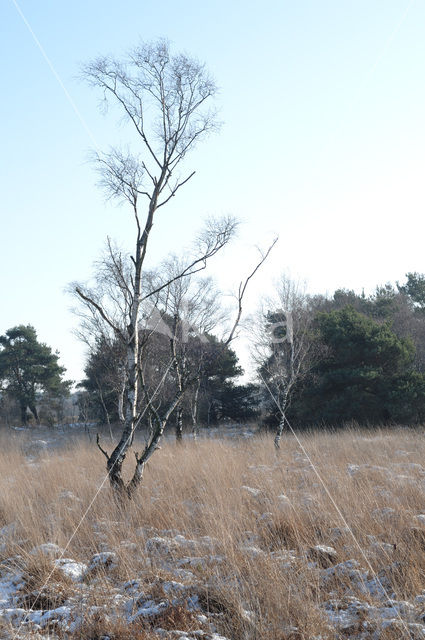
[[319, 360], [350, 357]]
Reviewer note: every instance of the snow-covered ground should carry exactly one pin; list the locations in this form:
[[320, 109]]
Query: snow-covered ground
[[174, 556]]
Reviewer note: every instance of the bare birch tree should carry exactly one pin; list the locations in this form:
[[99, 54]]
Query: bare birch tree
[[282, 349], [166, 99]]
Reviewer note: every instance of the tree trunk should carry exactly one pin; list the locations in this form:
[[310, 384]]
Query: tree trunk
[[209, 415], [121, 393], [279, 432], [24, 413], [194, 412], [117, 457], [34, 412], [179, 425], [105, 410]]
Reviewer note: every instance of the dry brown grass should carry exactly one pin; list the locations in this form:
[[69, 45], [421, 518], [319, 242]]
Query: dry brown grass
[[197, 490], [97, 627]]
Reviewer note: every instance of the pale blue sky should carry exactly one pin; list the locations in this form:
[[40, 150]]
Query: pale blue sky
[[323, 143]]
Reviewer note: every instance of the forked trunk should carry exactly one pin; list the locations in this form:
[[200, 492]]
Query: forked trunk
[[116, 459]]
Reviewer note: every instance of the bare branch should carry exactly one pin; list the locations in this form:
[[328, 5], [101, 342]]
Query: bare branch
[[215, 237], [100, 448], [242, 290], [99, 309], [175, 189]]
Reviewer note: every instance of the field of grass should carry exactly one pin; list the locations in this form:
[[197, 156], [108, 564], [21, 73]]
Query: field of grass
[[227, 538]]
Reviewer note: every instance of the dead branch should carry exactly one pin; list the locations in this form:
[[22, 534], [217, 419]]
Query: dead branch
[[242, 291], [100, 448]]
